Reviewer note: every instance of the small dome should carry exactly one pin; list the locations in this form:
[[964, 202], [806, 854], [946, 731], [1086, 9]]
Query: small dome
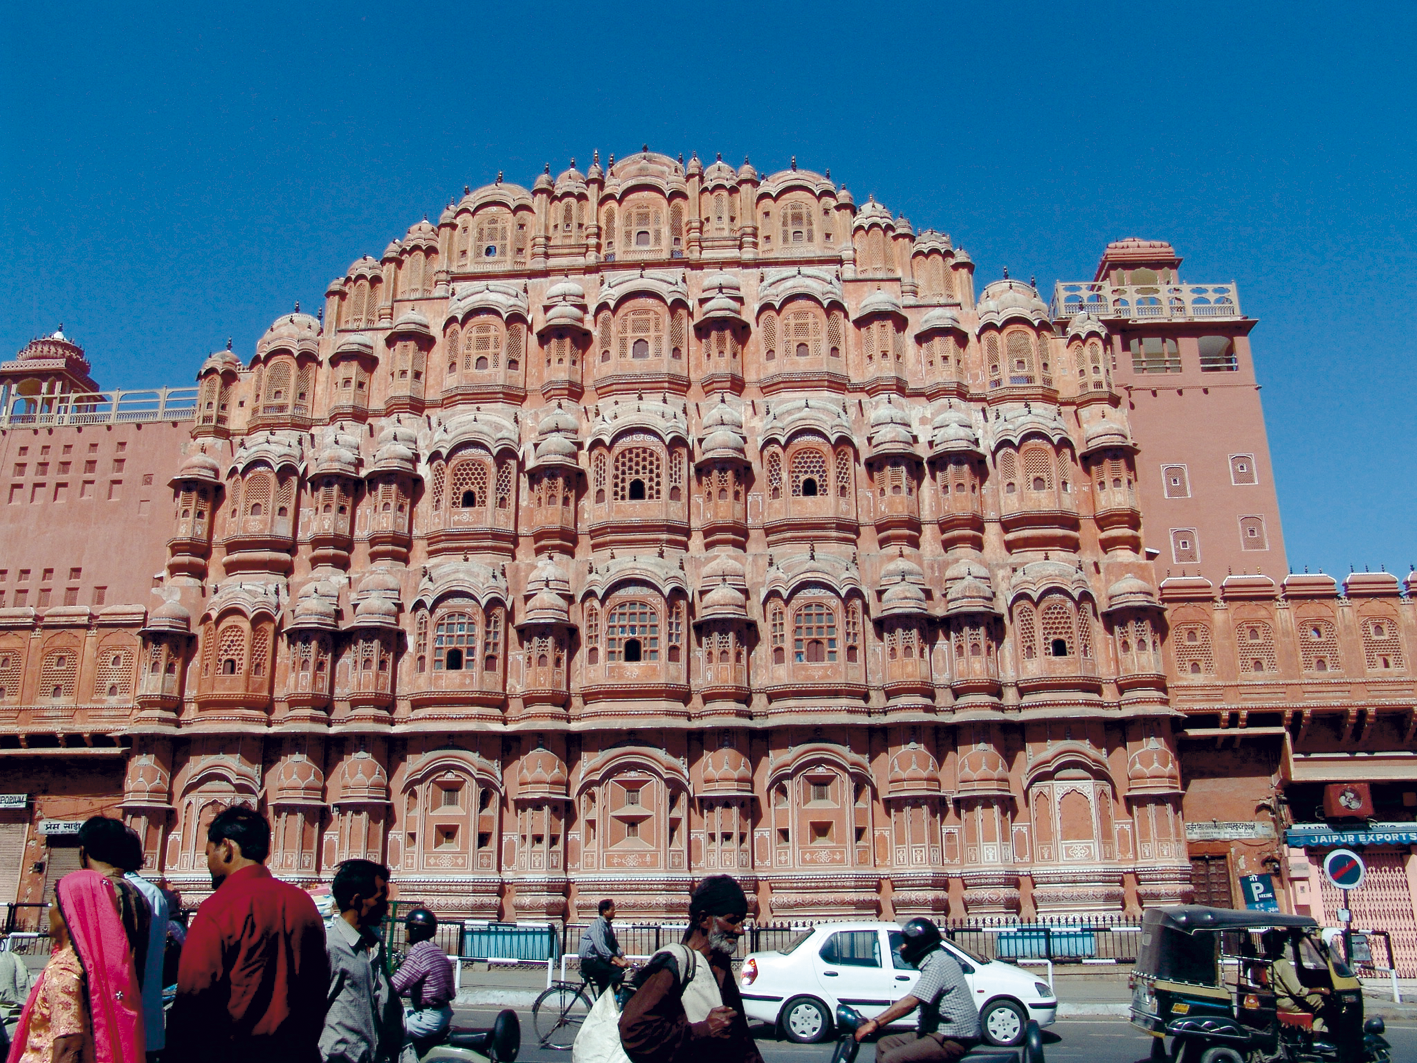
[[364, 777], [902, 568], [380, 581], [913, 772], [317, 600], [1084, 325], [967, 568], [542, 774], [376, 608], [565, 290], [412, 322], [952, 431], [1103, 434], [1130, 591], [746, 172], [969, 595], [558, 419], [547, 607], [723, 566], [983, 771], [903, 597], [724, 602], [170, 616], [1153, 770], [299, 778], [339, 453], [357, 345], [570, 181], [198, 466], [422, 232], [218, 361], [721, 281], [718, 170], [1011, 298], [543, 182], [873, 212], [395, 450], [937, 319], [727, 771], [879, 302]]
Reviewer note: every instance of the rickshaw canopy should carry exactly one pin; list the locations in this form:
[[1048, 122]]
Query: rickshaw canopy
[[1182, 944]]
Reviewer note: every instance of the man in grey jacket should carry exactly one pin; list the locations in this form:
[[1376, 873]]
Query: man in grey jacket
[[364, 1023]]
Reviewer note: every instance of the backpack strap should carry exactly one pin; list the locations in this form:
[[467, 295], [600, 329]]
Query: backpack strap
[[685, 960]]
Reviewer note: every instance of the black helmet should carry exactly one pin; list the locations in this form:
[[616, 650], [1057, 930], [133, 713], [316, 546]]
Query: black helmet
[[421, 924], [918, 937]]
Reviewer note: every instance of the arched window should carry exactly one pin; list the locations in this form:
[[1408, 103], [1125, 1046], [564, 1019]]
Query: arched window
[[469, 485], [776, 620], [843, 472], [808, 475], [642, 334], [814, 638], [231, 649], [592, 633], [1038, 468], [796, 224], [1059, 627], [802, 333], [774, 467], [637, 475], [632, 632], [454, 642]]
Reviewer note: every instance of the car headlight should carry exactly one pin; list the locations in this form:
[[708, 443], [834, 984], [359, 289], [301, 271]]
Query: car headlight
[[1043, 989]]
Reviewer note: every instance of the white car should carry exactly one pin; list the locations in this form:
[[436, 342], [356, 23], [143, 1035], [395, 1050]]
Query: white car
[[798, 987]]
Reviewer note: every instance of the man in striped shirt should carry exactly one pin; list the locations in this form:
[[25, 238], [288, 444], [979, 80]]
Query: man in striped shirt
[[949, 1021], [426, 978]]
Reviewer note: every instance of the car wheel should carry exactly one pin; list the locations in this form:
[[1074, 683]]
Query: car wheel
[[1003, 1022], [805, 1021]]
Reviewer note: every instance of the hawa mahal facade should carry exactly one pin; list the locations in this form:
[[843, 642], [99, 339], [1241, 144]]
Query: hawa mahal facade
[[668, 519]]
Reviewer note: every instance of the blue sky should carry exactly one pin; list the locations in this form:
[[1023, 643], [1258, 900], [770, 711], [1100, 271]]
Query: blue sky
[[171, 175]]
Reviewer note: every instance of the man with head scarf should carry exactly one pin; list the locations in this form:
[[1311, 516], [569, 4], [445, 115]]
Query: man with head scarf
[[687, 1008]]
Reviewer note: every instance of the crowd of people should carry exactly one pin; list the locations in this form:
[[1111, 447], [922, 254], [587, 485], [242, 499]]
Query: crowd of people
[[261, 975]]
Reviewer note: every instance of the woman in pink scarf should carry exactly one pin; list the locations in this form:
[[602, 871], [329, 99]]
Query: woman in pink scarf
[[86, 1006]]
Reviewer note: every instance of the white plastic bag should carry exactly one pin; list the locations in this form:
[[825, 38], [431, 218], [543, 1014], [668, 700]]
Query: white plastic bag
[[599, 1038]]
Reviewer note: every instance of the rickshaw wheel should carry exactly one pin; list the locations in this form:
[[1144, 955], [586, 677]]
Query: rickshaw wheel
[[1221, 1054]]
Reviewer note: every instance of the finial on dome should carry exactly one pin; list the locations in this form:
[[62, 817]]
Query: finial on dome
[[320, 313], [612, 158], [745, 160], [681, 158], [573, 164], [1033, 283], [466, 190], [228, 343], [644, 148], [546, 168], [1006, 273], [829, 174], [595, 156], [425, 216], [719, 156], [794, 162], [297, 306], [499, 177], [811, 551]]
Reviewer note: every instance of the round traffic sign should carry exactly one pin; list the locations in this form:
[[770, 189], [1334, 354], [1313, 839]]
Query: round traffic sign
[[1344, 869]]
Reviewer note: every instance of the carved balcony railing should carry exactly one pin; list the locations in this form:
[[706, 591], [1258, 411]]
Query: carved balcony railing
[[101, 407], [1146, 302]]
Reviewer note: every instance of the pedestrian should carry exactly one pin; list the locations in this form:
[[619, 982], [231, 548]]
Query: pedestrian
[[15, 985], [363, 1017], [154, 1018], [86, 1006], [948, 1025], [602, 959], [104, 847], [678, 1016], [176, 937], [252, 979], [426, 978]]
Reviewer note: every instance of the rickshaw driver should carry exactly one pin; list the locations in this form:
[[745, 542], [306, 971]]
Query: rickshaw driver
[[1292, 995]]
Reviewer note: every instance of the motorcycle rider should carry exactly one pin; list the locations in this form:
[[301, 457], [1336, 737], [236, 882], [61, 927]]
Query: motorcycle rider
[[949, 1022], [426, 978]]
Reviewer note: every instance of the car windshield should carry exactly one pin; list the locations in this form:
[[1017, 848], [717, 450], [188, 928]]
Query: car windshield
[[791, 946], [972, 955]]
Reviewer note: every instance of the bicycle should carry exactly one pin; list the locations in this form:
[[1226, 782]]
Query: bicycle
[[560, 1011]]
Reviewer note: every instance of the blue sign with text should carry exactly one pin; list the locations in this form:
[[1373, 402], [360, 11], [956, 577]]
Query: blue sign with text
[[1259, 893]]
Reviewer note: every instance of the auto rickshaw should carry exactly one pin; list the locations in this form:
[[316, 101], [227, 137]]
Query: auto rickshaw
[[1222, 984]]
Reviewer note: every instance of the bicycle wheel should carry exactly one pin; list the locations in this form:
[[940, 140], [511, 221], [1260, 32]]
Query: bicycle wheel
[[558, 1014]]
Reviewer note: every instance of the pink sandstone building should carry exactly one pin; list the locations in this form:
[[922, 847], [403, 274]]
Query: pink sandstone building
[[667, 519]]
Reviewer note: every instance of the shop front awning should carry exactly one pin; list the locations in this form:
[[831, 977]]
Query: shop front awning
[[1388, 766]]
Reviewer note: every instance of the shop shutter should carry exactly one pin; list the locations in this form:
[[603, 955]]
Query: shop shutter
[[60, 858], [1384, 902], [12, 855]]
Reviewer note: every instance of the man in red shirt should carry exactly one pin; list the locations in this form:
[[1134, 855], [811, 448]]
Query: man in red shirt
[[252, 981]]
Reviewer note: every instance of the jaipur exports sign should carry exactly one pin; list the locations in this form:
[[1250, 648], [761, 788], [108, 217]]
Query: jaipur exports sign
[[1320, 836], [1247, 831]]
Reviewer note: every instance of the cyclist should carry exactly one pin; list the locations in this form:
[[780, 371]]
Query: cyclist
[[602, 959], [949, 1021]]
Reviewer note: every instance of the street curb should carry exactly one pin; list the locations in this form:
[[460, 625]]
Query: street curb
[[1093, 1011], [507, 998]]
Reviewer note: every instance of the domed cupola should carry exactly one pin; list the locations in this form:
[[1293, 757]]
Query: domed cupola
[[297, 781], [421, 234], [571, 182], [542, 776], [546, 631], [879, 301], [891, 432], [377, 599], [727, 773], [982, 772], [338, 454], [1152, 770], [1008, 299], [316, 607], [952, 431], [721, 435], [169, 618], [364, 781], [721, 299], [1103, 434], [913, 772], [543, 182], [557, 439], [411, 323], [722, 602], [548, 592], [564, 307], [198, 467], [719, 172], [395, 451]]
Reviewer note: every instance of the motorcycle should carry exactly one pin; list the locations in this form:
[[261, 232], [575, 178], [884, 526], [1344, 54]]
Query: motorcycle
[[849, 1020], [498, 1043]]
